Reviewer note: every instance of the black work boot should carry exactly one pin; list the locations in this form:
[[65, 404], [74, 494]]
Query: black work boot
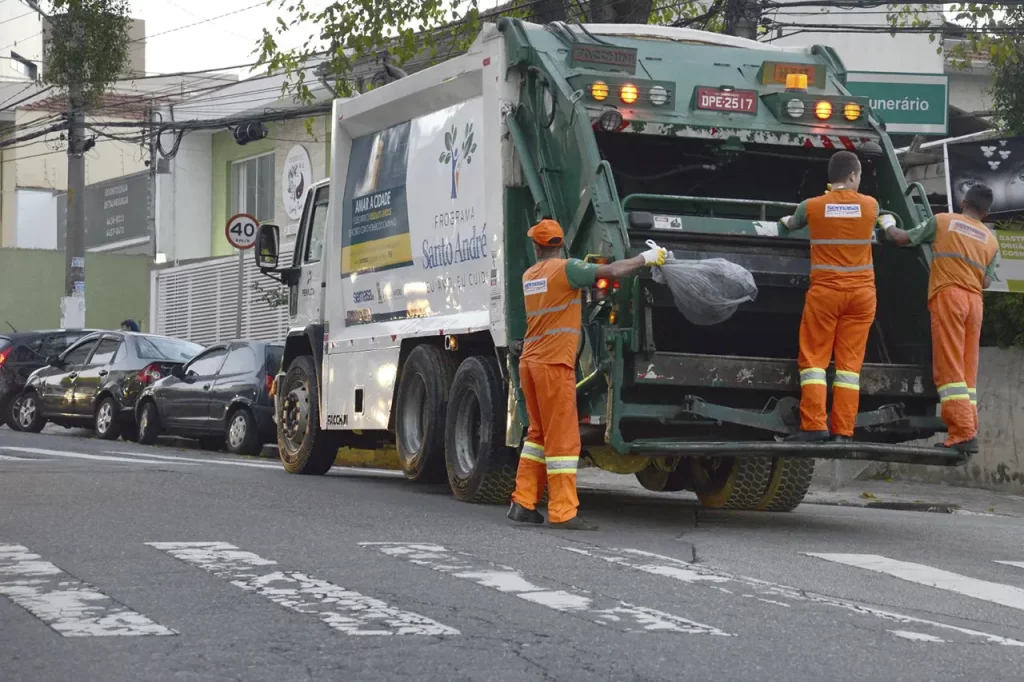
[[841, 439], [575, 523], [968, 447], [521, 514], [808, 437]]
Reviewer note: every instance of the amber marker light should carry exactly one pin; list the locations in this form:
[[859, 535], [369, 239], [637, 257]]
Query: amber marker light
[[629, 93], [599, 90], [851, 111], [823, 109]]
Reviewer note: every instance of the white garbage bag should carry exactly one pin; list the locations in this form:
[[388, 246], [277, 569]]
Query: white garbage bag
[[708, 291]]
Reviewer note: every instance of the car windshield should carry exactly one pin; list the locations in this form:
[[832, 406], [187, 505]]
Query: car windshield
[[163, 348]]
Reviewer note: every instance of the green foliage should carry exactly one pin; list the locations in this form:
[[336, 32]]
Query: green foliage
[[88, 45]]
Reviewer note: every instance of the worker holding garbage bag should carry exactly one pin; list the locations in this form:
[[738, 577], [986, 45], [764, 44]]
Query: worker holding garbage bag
[[839, 308]]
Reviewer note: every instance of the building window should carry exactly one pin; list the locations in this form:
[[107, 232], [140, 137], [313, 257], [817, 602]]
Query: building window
[[252, 187], [26, 67]]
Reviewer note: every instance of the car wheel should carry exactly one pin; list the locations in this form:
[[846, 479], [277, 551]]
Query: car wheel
[[149, 424], [107, 425], [243, 436], [27, 413]]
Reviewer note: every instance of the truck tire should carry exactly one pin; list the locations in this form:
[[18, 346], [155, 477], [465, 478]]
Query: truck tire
[[420, 411], [731, 482], [481, 469], [789, 483], [302, 446], [658, 480]]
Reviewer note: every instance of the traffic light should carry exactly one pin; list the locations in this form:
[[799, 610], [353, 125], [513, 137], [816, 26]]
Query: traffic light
[[250, 132]]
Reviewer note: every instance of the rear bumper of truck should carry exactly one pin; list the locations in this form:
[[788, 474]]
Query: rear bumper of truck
[[876, 452]]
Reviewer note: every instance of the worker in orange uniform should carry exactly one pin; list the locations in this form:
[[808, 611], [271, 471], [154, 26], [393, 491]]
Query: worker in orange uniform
[[964, 253], [547, 374], [839, 308]]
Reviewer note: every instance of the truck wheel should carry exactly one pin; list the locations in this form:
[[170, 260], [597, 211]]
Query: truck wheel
[[790, 480], [302, 446], [421, 408], [481, 469], [660, 480], [731, 482]]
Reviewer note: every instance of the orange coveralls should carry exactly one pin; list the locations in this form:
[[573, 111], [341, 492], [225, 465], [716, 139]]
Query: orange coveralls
[[547, 374], [963, 251], [839, 308]]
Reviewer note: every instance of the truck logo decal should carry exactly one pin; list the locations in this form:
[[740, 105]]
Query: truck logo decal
[[462, 249], [535, 286], [842, 210], [454, 154], [337, 420], [363, 296]]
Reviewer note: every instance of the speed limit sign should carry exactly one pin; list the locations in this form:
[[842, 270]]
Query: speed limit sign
[[241, 231]]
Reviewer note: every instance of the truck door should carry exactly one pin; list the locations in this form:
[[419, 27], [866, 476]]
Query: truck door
[[308, 295]]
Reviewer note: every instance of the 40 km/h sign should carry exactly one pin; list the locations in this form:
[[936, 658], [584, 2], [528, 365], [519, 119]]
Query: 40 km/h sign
[[241, 231]]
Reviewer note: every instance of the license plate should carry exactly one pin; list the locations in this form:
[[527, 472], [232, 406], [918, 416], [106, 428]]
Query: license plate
[[736, 101]]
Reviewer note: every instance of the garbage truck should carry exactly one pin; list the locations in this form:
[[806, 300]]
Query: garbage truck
[[406, 277]]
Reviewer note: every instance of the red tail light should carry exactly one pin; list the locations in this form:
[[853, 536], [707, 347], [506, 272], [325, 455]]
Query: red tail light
[[270, 383], [4, 354], [150, 374], [603, 284]]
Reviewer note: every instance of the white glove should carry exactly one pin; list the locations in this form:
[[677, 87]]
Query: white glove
[[654, 255], [784, 220], [887, 221]]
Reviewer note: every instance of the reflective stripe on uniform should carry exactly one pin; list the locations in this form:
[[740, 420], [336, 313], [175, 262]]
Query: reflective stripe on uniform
[[959, 256], [551, 332], [556, 309], [562, 465], [973, 393], [844, 268], [956, 390], [843, 242], [844, 379], [533, 452], [812, 375]]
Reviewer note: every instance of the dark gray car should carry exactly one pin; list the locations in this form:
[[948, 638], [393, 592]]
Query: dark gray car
[[97, 381], [22, 353]]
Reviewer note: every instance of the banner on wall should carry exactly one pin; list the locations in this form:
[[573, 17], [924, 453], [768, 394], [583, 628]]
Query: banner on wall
[[1010, 264], [996, 163]]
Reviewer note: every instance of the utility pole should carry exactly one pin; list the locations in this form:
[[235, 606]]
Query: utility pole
[[741, 18], [73, 304], [151, 195]]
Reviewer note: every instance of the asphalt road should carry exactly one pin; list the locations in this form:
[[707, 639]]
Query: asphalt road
[[123, 562]]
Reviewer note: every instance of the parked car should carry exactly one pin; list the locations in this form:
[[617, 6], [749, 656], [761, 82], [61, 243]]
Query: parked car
[[97, 381], [22, 353], [220, 396]]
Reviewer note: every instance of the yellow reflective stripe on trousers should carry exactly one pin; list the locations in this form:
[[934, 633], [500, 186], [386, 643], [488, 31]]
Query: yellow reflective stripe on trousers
[[812, 376], [844, 379], [533, 452], [551, 332], [973, 393], [956, 390], [562, 465]]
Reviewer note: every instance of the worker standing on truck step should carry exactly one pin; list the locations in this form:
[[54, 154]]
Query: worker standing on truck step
[[964, 253], [547, 374], [839, 308]]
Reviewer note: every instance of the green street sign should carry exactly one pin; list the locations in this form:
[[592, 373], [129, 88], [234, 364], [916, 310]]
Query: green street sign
[[914, 103]]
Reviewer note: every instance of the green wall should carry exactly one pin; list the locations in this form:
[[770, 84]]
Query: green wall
[[32, 284], [225, 151]]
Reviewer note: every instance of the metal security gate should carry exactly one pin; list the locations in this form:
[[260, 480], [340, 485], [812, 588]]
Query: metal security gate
[[200, 302]]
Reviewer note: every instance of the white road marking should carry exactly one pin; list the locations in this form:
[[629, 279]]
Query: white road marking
[[211, 460], [82, 455], [917, 636], [337, 607], [1018, 564], [595, 608], [1004, 595], [8, 458], [69, 606], [696, 574]]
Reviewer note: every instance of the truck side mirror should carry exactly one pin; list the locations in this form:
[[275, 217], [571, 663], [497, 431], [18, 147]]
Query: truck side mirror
[[268, 239]]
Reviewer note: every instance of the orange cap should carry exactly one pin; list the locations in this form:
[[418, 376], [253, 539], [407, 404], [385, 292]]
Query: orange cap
[[547, 233]]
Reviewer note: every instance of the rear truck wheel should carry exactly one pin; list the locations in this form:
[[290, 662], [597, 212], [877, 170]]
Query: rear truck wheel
[[789, 483], [27, 413], [481, 469], [243, 436], [149, 423], [302, 446], [421, 408], [730, 482], [106, 423], [661, 476]]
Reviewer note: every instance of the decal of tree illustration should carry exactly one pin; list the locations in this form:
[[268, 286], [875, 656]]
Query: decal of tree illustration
[[453, 155]]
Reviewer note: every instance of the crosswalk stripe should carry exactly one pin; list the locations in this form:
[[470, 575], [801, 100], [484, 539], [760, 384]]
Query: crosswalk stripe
[[82, 455], [339, 608], [996, 593], [1018, 564], [763, 590], [69, 606], [596, 608]]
